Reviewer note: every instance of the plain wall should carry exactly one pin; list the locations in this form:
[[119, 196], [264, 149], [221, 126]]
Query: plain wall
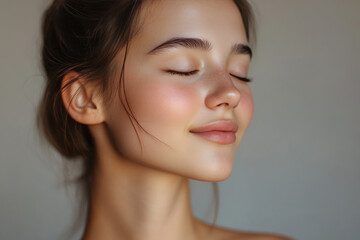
[[297, 171]]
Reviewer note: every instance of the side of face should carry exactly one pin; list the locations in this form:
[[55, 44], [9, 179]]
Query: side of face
[[168, 105]]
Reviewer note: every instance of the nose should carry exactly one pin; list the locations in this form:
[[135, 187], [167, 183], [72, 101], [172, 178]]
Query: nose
[[223, 93]]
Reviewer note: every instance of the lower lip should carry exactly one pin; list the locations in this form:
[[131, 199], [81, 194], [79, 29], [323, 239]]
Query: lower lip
[[218, 136]]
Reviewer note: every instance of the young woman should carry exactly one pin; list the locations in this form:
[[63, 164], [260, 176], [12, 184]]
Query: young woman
[[148, 94]]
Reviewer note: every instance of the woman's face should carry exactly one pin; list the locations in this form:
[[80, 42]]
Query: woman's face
[[169, 104]]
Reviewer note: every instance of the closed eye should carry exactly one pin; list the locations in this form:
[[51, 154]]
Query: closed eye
[[242, 78], [195, 71], [182, 73]]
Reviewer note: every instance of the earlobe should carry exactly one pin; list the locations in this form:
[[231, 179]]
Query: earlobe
[[80, 99]]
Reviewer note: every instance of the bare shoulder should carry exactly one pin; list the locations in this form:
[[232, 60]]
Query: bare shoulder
[[260, 236], [248, 235], [223, 233]]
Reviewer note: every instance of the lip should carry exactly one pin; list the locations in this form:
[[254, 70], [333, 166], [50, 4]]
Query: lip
[[222, 132]]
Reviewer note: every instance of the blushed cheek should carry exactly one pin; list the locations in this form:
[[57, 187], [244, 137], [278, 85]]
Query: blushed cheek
[[161, 105], [246, 108]]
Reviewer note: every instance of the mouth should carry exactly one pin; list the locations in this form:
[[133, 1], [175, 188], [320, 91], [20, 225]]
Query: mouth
[[222, 132], [220, 137]]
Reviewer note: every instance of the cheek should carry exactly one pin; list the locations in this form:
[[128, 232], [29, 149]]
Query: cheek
[[245, 109], [160, 104]]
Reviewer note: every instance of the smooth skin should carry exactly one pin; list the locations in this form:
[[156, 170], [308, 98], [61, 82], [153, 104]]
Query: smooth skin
[[143, 194]]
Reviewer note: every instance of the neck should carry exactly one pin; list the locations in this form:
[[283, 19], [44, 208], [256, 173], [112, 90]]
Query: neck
[[132, 201]]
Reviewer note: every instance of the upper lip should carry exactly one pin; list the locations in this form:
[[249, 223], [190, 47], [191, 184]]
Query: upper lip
[[224, 126]]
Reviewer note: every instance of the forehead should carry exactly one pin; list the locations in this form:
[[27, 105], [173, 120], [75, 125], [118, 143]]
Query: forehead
[[218, 21]]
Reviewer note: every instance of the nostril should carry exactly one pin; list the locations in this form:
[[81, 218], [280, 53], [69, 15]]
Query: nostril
[[224, 98], [226, 104]]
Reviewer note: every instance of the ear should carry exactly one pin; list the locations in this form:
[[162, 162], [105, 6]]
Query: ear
[[81, 100]]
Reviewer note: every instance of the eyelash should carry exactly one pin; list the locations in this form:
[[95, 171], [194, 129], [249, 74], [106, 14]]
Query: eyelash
[[242, 78], [195, 71], [182, 73]]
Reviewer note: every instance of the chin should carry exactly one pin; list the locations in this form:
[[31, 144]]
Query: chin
[[214, 173], [212, 178]]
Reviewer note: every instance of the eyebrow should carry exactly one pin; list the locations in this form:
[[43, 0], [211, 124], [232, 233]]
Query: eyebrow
[[197, 43], [241, 49]]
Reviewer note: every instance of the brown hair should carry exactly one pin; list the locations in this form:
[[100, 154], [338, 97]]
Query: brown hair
[[84, 36]]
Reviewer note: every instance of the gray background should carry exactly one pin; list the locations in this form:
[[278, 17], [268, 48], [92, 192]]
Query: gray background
[[297, 171]]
